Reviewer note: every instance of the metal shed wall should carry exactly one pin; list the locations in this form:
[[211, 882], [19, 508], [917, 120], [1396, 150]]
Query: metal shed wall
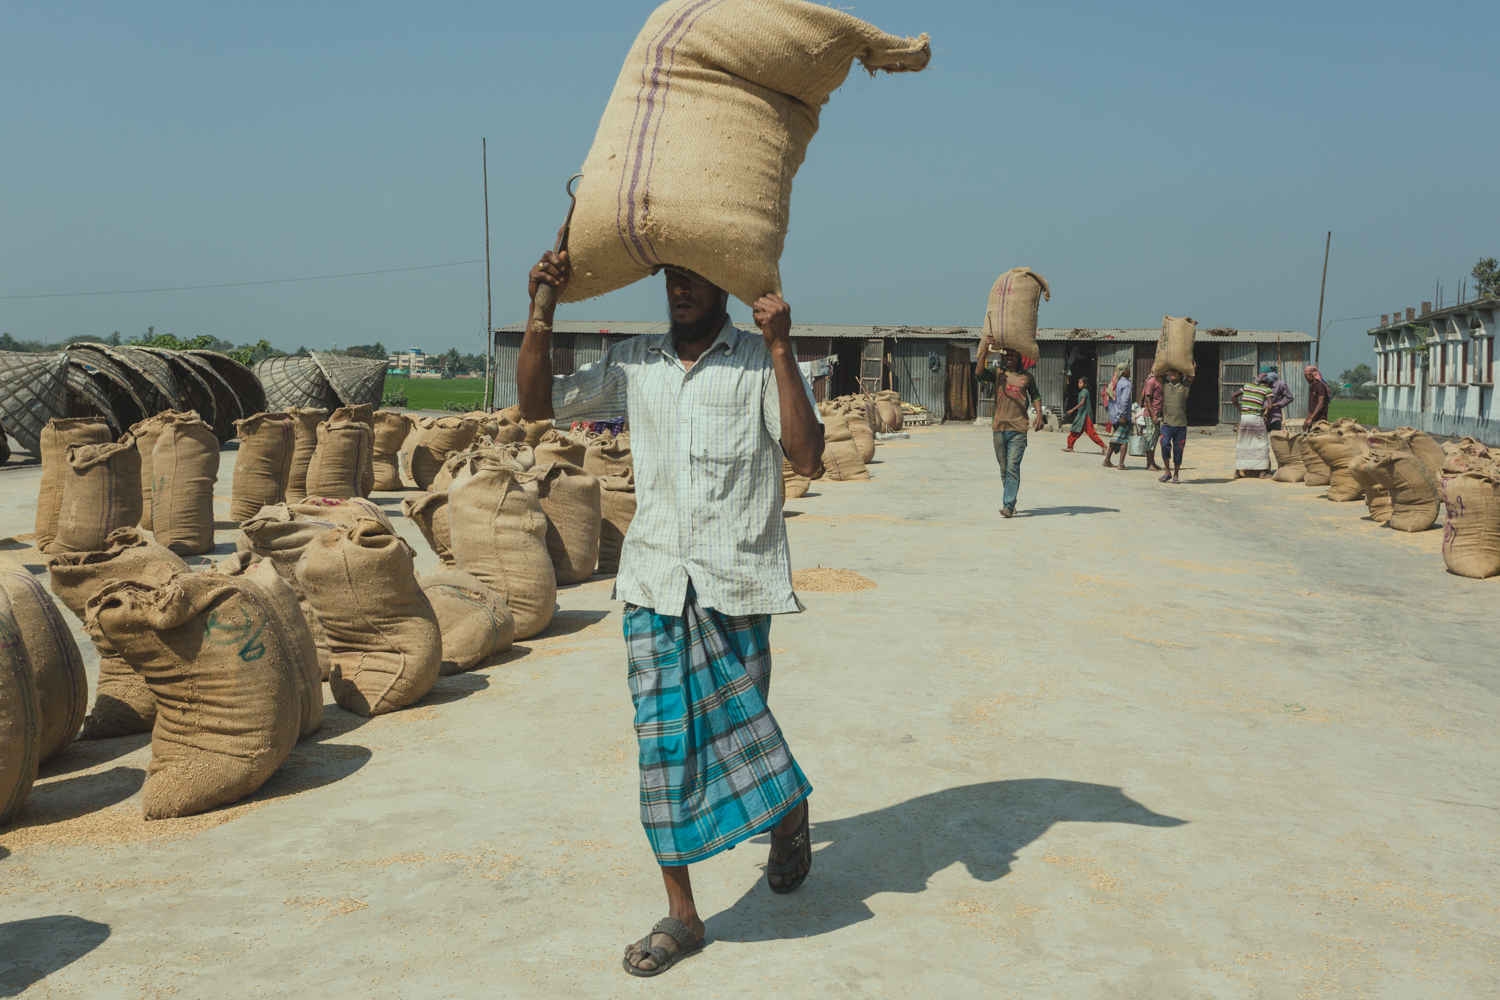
[[1236, 367], [920, 370], [1050, 374], [507, 351], [1290, 357]]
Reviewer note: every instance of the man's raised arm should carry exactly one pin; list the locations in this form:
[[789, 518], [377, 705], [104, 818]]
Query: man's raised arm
[[801, 433], [534, 365]]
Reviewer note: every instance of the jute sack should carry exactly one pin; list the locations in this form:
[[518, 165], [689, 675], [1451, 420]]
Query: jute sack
[[519, 455], [456, 467], [101, 492], [308, 700], [1289, 468], [305, 422], [1464, 455], [185, 467], [1414, 495], [508, 430], [1010, 316], [263, 465], [61, 684], [474, 621], [1426, 449], [122, 702], [556, 446], [429, 512], [860, 430], [608, 456], [485, 421], [499, 534], [391, 430], [570, 499], [338, 469], [793, 486], [889, 403], [1471, 532], [841, 461], [386, 645], [1373, 484], [362, 413], [20, 718], [282, 532], [1175, 347], [221, 663], [1336, 453], [56, 438], [534, 428], [1316, 471], [435, 440], [616, 511], [145, 433]]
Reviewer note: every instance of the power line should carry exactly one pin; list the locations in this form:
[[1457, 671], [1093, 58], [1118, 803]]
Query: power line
[[241, 284]]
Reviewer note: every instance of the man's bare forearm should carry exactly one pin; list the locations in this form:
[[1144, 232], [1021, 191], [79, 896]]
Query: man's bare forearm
[[534, 368], [801, 434]]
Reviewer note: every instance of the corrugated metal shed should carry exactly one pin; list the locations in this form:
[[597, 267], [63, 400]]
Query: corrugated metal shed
[[867, 332]]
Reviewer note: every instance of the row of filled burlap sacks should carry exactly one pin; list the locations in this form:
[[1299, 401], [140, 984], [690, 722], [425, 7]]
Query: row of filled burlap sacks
[[1404, 477], [850, 426]]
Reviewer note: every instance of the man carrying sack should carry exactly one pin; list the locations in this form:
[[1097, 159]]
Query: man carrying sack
[[704, 566], [1016, 396]]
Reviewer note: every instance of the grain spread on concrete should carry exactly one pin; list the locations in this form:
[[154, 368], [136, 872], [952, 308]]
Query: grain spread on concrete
[[824, 580]]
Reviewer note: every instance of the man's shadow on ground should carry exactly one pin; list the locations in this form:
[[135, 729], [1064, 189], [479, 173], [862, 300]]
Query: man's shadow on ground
[[1070, 511], [32, 949], [899, 848]]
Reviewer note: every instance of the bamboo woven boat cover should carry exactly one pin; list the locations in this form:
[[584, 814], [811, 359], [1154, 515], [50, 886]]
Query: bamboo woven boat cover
[[33, 390], [296, 381], [247, 387], [356, 380]]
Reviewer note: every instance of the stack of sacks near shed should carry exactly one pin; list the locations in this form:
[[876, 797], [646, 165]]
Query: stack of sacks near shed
[[857, 412], [263, 465], [570, 497], [486, 424], [222, 664], [508, 430], [888, 403], [793, 486], [1289, 468], [185, 467], [62, 687], [340, 466], [499, 536], [391, 432], [616, 511], [435, 439], [122, 702], [20, 718], [305, 422], [472, 619], [841, 461], [56, 438]]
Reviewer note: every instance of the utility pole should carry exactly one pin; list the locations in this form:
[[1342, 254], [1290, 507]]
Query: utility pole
[[1318, 344], [489, 319]]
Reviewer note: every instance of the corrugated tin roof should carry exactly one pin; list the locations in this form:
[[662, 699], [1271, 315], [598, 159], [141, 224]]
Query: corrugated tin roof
[[862, 330]]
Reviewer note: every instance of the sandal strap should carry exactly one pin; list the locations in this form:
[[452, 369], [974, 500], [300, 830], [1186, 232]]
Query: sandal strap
[[659, 955], [676, 930]]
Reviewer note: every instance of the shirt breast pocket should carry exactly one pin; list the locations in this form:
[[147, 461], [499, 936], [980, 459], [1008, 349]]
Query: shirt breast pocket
[[722, 442]]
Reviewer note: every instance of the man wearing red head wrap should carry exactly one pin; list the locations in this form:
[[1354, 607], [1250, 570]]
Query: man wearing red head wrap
[[1318, 395]]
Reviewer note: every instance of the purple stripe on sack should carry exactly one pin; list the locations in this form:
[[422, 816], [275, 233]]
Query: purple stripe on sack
[[620, 206]]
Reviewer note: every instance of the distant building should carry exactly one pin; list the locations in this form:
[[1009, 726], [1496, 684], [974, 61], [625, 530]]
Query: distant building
[[1435, 369], [413, 364]]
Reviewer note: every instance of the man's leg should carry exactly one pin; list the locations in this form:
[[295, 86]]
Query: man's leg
[[680, 905], [786, 829], [1013, 468]]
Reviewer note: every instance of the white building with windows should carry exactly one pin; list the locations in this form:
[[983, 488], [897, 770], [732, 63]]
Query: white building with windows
[[1435, 370]]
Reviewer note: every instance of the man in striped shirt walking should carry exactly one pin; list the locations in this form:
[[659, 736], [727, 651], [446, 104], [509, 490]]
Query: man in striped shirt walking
[[704, 565]]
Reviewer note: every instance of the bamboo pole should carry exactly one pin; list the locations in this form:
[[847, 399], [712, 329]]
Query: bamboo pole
[[489, 318], [1318, 344]]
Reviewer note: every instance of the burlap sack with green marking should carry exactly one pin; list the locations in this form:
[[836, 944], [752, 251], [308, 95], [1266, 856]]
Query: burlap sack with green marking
[[146, 432], [429, 512], [841, 461], [101, 491], [391, 430], [305, 420], [616, 511], [709, 120], [339, 469], [1414, 494], [435, 439], [56, 437], [570, 499], [263, 465], [20, 718], [1471, 532], [1174, 349], [185, 467], [220, 660], [387, 648], [61, 684], [1010, 314], [499, 536], [608, 456], [474, 621]]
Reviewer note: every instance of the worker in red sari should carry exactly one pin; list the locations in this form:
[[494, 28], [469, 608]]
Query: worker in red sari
[[1083, 420]]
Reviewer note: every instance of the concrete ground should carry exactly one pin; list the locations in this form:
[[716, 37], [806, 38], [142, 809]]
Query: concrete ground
[[1223, 739]]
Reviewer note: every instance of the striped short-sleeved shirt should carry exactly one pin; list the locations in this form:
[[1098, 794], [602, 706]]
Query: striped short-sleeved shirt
[[706, 442], [1253, 397]]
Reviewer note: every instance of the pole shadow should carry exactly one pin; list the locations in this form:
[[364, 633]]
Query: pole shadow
[[1070, 511], [32, 949], [899, 848]]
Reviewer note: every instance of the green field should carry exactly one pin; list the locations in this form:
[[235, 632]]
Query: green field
[[434, 393], [1364, 410]]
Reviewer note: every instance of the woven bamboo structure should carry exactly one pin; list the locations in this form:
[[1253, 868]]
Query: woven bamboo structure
[[158, 373], [192, 390], [296, 381], [149, 399], [355, 380], [227, 402], [33, 390], [247, 388], [92, 394]]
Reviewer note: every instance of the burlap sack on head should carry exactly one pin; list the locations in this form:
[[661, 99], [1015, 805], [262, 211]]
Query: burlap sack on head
[[499, 533], [435, 440], [663, 183], [608, 456], [221, 663], [793, 486], [305, 422], [841, 461], [338, 469], [889, 402], [1471, 531], [1336, 452], [1414, 495], [122, 702], [1010, 316], [185, 466], [1289, 468], [56, 437], [263, 465], [557, 446], [391, 430], [1175, 347], [1316, 471], [20, 718], [146, 433], [616, 511], [1425, 448], [299, 640], [429, 512], [1374, 486], [362, 413], [62, 685], [507, 429], [101, 492], [570, 499], [474, 621], [386, 645]]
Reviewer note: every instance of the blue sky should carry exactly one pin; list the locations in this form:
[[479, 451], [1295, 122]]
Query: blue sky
[[1146, 158]]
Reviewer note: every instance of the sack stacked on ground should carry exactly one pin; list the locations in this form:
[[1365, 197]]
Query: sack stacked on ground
[[507, 429], [1010, 316], [841, 461], [62, 686], [101, 491], [855, 410], [391, 431], [185, 467], [486, 423], [339, 467], [1426, 449], [1336, 452], [1471, 531], [296, 635], [556, 446], [215, 653], [56, 438], [793, 486], [20, 718], [1175, 348], [616, 511], [455, 468], [1289, 469], [1414, 494], [361, 413], [436, 438], [305, 422], [519, 455], [263, 465], [663, 184], [534, 429], [474, 621], [570, 499], [122, 702], [429, 512], [1464, 455], [499, 536], [146, 433], [608, 456], [888, 402], [386, 645], [1315, 470], [1374, 486]]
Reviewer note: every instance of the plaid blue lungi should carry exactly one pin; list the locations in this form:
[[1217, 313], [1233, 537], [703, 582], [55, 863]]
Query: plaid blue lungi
[[715, 769]]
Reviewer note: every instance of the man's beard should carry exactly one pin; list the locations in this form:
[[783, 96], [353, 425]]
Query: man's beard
[[699, 329]]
